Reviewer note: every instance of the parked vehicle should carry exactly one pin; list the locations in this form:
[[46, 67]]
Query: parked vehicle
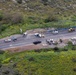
[[38, 35], [55, 32], [24, 34], [54, 42], [36, 42], [7, 40], [71, 29], [14, 39], [50, 41]]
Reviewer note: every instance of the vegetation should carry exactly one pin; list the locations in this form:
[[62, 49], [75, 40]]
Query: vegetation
[[31, 14], [56, 61], [35, 14]]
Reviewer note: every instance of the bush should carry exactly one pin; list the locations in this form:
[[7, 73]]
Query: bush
[[0, 65], [6, 60], [56, 49], [1, 16], [73, 48], [38, 50], [65, 49], [51, 18], [31, 59], [46, 50], [17, 18], [2, 52], [74, 69], [17, 73], [70, 43], [2, 28], [45, 2], [6, 72], [19, 1], [74, 59], [33, 19], [7, 17], [15, 64], [74, 18]]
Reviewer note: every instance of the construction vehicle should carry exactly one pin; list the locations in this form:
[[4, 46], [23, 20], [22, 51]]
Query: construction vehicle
[[71, 29], [50, 41], [39, 35]]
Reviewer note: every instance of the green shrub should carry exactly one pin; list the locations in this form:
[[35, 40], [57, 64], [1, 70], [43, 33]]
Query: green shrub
[[14, 65], [38, 50], [73, 48], [74, 18], [31, 59], [6, 72], [74, 60], [34, 20], [51, 18], [45, 2], [74, 69], [65, 49], [56, 49], [0, 65], [46, 50], [70, 43], [16, 18], [6, 60], [7, 17], [17, 73], [1, 16], [2, 52], [19, 1]]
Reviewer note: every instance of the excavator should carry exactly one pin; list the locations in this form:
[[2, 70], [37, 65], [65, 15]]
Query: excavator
[[71, 30]]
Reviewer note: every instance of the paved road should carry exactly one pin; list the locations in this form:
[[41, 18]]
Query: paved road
[[30, 38]]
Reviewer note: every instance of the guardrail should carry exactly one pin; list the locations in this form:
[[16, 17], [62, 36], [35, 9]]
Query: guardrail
[[61, 29], [65, 28]]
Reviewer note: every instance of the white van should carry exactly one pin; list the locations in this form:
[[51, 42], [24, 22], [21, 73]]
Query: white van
[[55, 32]]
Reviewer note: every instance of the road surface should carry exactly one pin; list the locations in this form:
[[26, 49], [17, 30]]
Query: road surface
[[30, 38]]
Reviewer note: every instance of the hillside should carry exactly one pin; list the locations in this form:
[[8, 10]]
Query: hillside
[[61, 7], [38, 63], [27, 14]]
